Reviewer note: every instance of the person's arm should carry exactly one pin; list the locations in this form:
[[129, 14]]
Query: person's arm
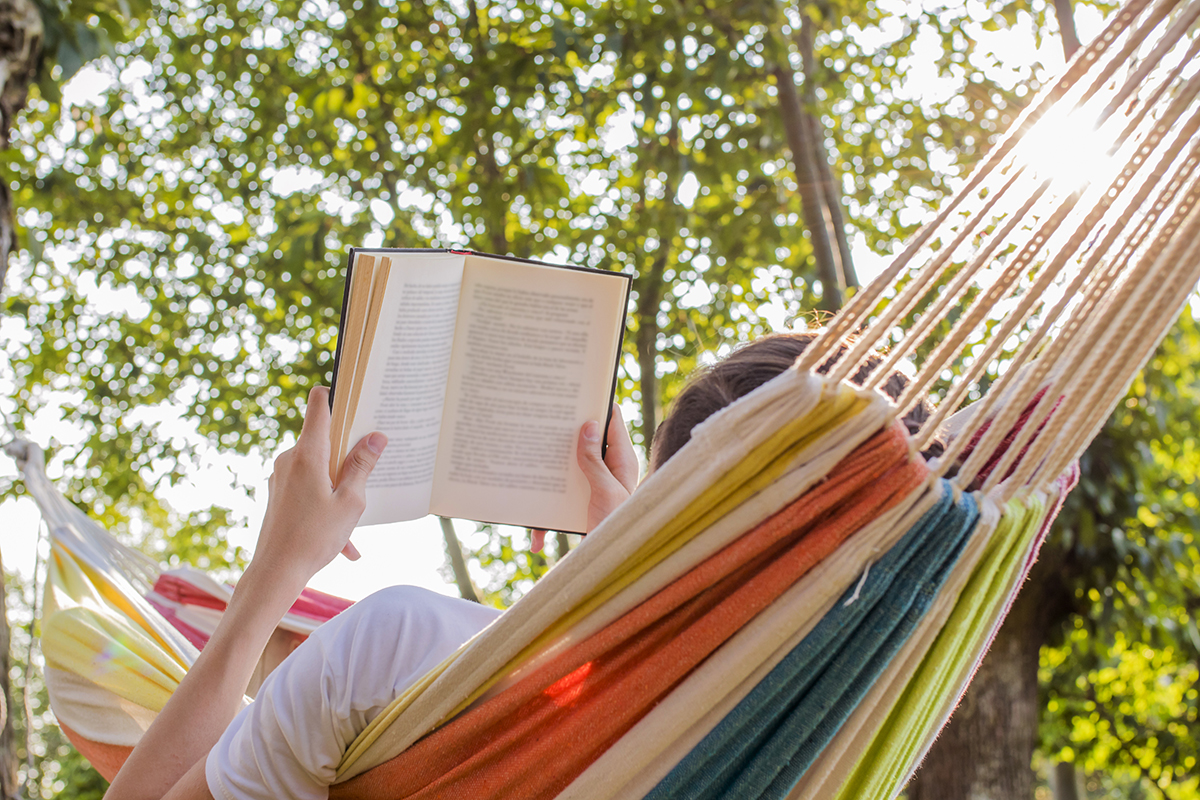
[[307, 523], [612, 477]]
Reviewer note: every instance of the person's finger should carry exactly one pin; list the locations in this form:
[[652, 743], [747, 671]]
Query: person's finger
[[359, 463], [315, 432], [597, 472], [351, 552], [537, 540], [621, 457], [590, 461]]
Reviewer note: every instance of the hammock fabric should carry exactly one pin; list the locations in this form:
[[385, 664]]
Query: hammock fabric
[[776, 732], [534, 738], [794, 604], [628, 665]]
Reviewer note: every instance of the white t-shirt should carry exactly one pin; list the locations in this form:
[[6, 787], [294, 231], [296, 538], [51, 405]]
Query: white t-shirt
[[288, 742]]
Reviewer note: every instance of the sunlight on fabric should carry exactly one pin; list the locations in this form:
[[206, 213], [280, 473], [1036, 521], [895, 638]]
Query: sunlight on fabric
[[570, 687]]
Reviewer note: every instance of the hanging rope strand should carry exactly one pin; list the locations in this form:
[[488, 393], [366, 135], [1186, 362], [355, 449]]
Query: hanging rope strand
[[1152, 177], [1178, 29], [1182, 262], [1097, 204], [920, 286], [1151, 280], [915, 335], [921, 328], [1085, 352], [1079, 71], [1091, 297]]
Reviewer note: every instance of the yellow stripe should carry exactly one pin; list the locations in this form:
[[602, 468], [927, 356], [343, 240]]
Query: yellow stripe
[[91, 630]]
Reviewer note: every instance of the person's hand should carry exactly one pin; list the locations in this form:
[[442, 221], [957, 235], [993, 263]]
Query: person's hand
[[308, 520], [612, 478]]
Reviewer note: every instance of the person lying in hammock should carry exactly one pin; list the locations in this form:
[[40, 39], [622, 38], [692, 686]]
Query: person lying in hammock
[[288, 742]]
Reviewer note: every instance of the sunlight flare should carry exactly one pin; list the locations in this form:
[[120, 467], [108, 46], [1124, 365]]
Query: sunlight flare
[[1067, 147]]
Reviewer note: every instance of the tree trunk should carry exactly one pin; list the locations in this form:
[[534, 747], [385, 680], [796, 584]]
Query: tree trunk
[[1066, 781], [649, 289], [986, 751], [8, 743], [1066, 27], [20, 54], [458, 564], [811, 205], [492, 188], [832, 200], [562, 546], [830, 196]]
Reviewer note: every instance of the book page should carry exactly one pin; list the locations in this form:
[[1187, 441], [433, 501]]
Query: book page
[[533, 359], [404, 384]]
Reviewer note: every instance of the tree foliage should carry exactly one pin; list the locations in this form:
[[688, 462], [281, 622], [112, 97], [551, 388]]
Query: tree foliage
[[1121, 673], [237, 151]]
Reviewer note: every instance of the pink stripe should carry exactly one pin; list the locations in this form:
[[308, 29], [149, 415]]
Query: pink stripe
[[194, 635]]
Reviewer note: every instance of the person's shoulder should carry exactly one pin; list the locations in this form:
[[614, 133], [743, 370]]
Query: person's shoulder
[[401, 605]]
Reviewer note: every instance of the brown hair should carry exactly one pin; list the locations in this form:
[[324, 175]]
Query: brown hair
[[743, 371]]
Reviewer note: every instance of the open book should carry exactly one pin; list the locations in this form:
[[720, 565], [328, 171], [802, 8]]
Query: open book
[[480, 370]]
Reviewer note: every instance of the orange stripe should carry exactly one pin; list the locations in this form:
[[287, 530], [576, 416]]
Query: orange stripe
[[106, 758]]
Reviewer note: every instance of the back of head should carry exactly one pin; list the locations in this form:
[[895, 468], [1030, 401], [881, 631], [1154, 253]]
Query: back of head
[[743, 371]]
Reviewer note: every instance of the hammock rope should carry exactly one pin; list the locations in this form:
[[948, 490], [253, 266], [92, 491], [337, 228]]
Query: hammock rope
[[1095, 290]]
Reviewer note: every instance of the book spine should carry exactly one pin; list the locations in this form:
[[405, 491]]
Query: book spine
[[337, 353], [612, 391]]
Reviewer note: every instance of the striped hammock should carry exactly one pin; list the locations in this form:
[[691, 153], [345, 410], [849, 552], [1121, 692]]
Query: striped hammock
[[794, 604]]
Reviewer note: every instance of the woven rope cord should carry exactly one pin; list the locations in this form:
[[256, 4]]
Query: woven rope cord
[[1093, 294], [1073, 78], [917, 288], [921, 329], [1109, 352], [1152, 177], [1114, 321], [1021, 278], [1182, 263], [1173, 34], [923, 281], [1086, 351], [948, 349]]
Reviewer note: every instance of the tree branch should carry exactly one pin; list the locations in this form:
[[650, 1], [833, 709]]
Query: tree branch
[[458, 564], [21, 35], [649, 286], [1066, 26], [811, 204], [816, 135]]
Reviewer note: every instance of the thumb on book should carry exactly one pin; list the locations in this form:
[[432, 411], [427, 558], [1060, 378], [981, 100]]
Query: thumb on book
[[359, 463], [590, 460]]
